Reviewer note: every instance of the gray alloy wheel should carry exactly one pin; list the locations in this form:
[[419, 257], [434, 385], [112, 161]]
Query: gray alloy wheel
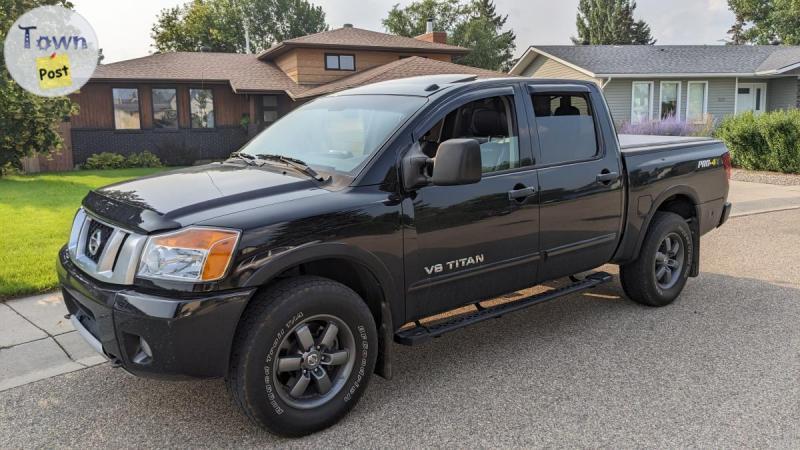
[[668, 261], [315, 360]]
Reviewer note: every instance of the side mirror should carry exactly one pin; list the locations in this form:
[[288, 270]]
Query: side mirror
[[457, 162]]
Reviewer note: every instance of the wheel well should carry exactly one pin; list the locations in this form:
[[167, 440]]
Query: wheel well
[[683, 206], [679, 204], [361, 280], [351, 274]]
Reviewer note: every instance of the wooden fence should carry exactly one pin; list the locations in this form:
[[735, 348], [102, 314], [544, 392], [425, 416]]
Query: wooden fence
[[57, 161]]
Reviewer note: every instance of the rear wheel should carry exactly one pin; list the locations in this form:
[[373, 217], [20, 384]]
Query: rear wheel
[[659, 274], [303, 356]]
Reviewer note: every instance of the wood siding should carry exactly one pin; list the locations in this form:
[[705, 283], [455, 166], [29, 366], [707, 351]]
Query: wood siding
[[544, 67], [307, 65], [97, 112]]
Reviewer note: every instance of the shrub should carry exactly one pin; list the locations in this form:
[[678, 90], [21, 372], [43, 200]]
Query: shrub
[[144, 159], [670, 126], [770, 141], [108, 160], [105, 160]]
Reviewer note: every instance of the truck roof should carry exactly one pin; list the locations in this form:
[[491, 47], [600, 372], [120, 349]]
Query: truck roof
[[422, 86]]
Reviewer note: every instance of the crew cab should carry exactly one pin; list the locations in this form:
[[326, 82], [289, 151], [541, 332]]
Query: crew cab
[[292, 267]]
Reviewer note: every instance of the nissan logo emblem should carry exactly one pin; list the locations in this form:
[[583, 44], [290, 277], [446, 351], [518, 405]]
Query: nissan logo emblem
[[94, 242]]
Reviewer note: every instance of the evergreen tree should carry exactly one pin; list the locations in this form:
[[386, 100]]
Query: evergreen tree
[[610, 22]]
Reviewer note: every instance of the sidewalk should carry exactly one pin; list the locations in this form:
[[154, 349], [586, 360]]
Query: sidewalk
[[37, 342], [755, 198]]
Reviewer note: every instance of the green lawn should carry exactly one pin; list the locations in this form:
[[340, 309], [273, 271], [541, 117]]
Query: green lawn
[[36, 213]]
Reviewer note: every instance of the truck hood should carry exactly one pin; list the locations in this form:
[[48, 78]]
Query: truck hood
[[178, 198]]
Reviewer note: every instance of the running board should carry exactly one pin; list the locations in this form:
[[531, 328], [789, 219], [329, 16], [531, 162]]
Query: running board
[[424, 333]]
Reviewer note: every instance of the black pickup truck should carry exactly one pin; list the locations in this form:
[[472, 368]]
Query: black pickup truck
[[291, 268]]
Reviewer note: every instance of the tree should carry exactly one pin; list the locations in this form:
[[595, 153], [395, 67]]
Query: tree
[[29, 122], [219, 25], [412, 20], [766, 21], [475, 25], [610, 22], [736, 32]]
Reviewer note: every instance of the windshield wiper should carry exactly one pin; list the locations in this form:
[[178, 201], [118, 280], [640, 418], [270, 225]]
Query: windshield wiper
[[250, 160], [294, 163]]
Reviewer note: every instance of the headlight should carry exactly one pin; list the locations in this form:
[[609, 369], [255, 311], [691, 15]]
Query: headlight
[[191, 254]]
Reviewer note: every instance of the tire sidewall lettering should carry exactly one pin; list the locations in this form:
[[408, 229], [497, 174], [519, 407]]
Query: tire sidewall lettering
[[269, 387], [364, 347]]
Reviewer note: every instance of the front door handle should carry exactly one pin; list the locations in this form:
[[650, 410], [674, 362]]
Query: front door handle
[[521, 194], [607, 177]]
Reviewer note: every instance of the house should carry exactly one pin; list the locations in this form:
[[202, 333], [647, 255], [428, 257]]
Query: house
[[690, 82], [189, 106]]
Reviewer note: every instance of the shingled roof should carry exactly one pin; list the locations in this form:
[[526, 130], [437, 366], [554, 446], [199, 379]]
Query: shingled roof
[[245, 73], [357, 38], [620, 60]]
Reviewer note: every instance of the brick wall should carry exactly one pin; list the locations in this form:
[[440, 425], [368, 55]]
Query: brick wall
[[180, 147]]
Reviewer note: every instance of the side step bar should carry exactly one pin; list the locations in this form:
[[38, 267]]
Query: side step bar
[[424, 333]]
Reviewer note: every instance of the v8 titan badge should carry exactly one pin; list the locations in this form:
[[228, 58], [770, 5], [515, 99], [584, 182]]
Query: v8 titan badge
[[51, 51]]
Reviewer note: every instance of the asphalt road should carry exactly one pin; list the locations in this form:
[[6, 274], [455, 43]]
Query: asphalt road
[[719, 368]]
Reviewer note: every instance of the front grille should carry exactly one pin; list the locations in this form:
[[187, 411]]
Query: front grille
[[96, 239], [112, 256]]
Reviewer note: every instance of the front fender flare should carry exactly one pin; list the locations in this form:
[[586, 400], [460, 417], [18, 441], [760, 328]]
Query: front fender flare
[[391, 306]]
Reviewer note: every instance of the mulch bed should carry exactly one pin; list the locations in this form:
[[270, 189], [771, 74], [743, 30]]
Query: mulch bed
[[754, 176]]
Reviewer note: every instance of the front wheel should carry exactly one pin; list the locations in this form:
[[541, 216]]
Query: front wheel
[[659, 274], [303, 355]]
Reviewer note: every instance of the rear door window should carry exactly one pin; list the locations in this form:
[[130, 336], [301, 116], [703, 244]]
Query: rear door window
[[566, 128]]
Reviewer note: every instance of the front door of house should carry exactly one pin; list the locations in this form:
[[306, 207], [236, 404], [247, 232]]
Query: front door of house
[[751, 97]]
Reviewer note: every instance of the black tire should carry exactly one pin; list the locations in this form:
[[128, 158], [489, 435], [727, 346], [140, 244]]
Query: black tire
[[270, 331], [643, 279]]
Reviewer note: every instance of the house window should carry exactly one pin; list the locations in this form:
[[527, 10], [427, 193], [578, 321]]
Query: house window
[[670, 99], [126, 108], [697, 101], [340, 62], [566, 128], [270, 107], [165, 108], [642, 101], [201, 102]]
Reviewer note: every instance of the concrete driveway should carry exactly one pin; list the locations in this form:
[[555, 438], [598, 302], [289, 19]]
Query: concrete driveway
[[720, 367]]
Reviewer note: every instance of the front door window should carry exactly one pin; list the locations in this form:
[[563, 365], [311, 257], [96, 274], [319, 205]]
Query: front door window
[[751, 97]]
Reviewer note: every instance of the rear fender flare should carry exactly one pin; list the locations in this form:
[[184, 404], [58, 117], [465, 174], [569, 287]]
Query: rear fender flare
[[672, 191]]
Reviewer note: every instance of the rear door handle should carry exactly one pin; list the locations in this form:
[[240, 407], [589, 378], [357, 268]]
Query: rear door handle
[[520, 194], [607, 177]]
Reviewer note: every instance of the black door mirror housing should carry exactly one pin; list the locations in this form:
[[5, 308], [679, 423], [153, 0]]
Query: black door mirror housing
[[457, 162]]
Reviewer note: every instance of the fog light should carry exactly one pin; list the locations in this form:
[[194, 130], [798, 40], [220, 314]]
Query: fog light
[[144, 354]]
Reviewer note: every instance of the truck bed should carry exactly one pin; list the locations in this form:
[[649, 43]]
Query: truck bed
[[661, 167], [637, 143]]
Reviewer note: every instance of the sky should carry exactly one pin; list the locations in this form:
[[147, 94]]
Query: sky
[[123, 26]]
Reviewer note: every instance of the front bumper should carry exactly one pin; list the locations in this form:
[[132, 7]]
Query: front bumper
[[151, 335]]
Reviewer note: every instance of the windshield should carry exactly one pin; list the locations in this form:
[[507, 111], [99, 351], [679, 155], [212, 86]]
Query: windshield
[[335, 133]]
